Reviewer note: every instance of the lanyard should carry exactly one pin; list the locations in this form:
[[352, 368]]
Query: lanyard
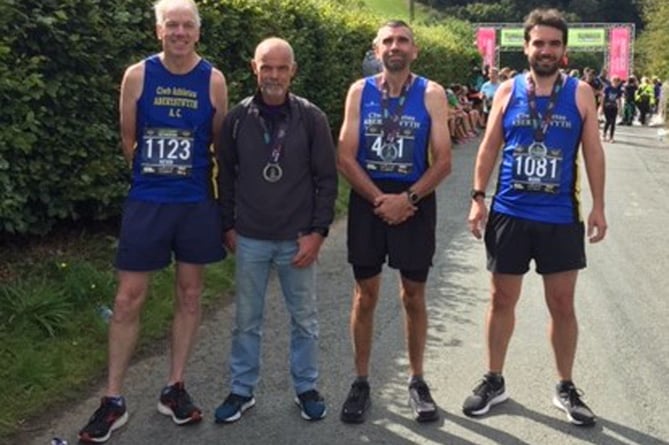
[[391, 120], [540, 125], [274, 140]]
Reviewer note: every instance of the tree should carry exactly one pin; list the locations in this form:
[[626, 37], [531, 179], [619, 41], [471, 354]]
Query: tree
[[653, 45]]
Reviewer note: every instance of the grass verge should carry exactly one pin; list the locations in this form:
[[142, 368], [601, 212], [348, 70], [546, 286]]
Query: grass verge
[[53, 341]]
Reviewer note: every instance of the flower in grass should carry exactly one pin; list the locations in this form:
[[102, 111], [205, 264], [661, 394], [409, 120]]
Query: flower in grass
[[63, 265]]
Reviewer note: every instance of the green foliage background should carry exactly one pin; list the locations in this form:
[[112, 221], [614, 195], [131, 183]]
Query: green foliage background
[[61, 62]]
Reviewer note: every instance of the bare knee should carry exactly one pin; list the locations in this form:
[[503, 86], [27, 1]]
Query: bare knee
[[128, 305], [502, 301], [561, 307], [188, 297], [364, 303]]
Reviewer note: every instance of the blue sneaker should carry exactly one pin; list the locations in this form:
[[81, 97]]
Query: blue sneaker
[[233, 407], [312, 405]]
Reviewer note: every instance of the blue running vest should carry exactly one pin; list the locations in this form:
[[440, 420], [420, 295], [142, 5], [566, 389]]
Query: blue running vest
[[406, 159], [174, 158], [536, 183]]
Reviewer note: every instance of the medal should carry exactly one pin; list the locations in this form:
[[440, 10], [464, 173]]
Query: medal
[[389, 152], [537, 150], [272, 172]]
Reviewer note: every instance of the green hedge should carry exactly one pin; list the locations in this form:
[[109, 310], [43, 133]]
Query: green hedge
[[61, 62]]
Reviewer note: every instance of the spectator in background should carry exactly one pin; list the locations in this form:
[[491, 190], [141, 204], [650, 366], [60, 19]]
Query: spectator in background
[[629, 94], [657, 88], [594, 82], [370, 64], [610, 107], [604, 76], [488, 90], [645, 99]]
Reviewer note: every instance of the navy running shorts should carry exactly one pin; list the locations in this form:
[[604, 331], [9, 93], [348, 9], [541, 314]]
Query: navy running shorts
[[152, 232]]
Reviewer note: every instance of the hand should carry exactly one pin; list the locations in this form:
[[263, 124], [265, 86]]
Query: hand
[[394, 208], [230, 240], [308, 248], [596, 226], [478, 217]]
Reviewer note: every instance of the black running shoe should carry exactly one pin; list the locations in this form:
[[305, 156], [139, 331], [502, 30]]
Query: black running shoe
[[356, 404], [176, 403], [424, 408], [486, 394], [109, 417], [568, 398]]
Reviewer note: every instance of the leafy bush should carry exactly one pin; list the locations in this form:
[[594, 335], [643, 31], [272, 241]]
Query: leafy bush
[[61, 62]]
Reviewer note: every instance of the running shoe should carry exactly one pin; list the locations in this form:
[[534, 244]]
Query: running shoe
[[312, 405], [424, 408], [356, 404], [568, 398], [233, 407], [488, 392], [110, 416], [176, 403]]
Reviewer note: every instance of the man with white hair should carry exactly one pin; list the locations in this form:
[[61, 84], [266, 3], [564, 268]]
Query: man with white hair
[[171, 107]]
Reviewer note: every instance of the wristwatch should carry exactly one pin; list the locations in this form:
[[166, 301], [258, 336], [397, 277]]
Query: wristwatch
[[475, 194], [412, 196], [322, 231]]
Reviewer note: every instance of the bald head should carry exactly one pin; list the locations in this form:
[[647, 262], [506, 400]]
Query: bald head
[[275, 46]]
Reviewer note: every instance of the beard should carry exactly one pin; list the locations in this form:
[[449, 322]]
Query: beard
[[273, 89], [545, 67], [395, 64]]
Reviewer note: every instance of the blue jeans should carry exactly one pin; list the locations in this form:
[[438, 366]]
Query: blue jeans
[[254, 259]]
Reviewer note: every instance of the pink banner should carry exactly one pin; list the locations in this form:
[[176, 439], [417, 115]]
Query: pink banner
[[486, 41], [619, 56]]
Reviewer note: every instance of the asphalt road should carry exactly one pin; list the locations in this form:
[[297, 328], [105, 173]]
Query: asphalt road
[[622, 363]]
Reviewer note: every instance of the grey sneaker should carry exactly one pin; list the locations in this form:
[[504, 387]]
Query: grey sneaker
[[486, 394], [568, 398], [424, 408]]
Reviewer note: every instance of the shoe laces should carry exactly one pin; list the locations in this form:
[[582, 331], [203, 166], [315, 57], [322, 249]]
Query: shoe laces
[[104, 412], [423, 391], [358, 390], [574, 395], [181, 397], [310, 396], [484, 387], [235, 399]]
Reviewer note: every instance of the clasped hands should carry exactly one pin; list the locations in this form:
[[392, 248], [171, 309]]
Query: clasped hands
[[394, 208]]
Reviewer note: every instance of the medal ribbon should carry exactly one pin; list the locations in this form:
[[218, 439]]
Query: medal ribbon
[[539, 124], [391, 121], [274, 140]]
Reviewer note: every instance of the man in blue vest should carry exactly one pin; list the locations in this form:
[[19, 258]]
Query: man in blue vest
[[394, 149], [171, 107], [539, 121]]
